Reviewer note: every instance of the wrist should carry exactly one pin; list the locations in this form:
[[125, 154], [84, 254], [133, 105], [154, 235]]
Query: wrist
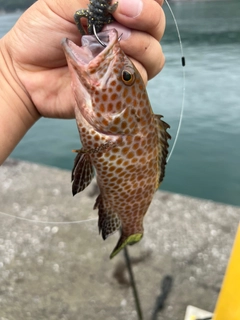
[[17, 112]]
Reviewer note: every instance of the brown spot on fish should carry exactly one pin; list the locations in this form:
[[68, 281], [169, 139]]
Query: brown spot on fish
[[118, 88], [113, 83], [105, 122], [130, 155], [118, 105], [139, 152], [116, 121], [114, 96], [124, 125], [125, 93], [115, 150], [129, 100], [112, 158], [104, 97], [109, 107], [118, 162], [125, 150]]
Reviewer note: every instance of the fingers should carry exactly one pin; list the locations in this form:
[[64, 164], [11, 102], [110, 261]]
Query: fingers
[[149, 53], [143, 15], [141, 24], [141, 47]]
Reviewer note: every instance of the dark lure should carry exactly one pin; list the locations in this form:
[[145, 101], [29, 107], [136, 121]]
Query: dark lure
[[98, 14]]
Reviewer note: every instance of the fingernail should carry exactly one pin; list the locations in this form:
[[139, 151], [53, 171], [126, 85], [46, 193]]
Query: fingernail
[[130, 8], [123, 32]]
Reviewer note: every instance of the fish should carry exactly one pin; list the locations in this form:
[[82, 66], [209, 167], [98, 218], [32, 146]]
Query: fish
[[123, 142]]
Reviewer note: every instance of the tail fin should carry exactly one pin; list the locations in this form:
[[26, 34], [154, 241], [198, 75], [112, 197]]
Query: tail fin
[[124, 240]]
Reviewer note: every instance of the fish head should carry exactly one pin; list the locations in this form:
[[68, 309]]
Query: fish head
[[105, 83]]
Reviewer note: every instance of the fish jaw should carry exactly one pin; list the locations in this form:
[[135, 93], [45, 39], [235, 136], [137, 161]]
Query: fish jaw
[[90, 48], [102, 98], [92, 58], [90, 66]]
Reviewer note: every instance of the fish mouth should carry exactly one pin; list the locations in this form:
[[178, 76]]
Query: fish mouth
[[90, 49]]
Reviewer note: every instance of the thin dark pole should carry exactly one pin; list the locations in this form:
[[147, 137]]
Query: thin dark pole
[[133, 284]]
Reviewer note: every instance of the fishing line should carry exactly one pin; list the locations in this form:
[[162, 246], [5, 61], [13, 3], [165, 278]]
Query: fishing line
[[46, 222], [133, 284], [183, 63]]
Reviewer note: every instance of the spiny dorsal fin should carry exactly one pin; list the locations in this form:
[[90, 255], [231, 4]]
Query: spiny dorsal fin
[[108, 221], [163, 137], [82, 172]]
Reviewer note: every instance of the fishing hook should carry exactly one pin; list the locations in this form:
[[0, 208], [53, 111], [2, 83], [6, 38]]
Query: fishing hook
[[99, 40], [97, 37]]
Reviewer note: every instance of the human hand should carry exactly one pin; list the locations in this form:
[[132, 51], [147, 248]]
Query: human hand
[[34, 45]]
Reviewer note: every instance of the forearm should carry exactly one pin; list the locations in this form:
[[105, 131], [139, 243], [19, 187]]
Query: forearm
[[17, 113]]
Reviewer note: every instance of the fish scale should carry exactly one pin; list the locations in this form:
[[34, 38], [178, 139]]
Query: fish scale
[[122, 139]]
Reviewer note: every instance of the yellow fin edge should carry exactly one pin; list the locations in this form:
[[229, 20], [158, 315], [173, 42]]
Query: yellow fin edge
[[130, 240]]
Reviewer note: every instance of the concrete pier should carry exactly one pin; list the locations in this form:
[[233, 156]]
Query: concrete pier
[[54, 269]]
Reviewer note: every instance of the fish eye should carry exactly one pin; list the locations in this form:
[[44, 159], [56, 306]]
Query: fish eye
[[128, 77]]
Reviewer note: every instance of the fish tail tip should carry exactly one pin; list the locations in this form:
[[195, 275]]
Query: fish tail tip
[[123, 241]]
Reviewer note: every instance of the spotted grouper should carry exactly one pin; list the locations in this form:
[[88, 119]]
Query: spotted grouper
[[122, 139]]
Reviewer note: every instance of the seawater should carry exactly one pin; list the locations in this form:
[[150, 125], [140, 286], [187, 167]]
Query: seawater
[[205, 162]]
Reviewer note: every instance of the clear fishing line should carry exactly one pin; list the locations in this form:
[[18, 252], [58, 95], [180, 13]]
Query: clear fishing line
[[170, 154], [183, 81], [46, 222]]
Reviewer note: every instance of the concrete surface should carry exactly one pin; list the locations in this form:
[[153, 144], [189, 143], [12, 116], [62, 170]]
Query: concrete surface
[[62, 271]]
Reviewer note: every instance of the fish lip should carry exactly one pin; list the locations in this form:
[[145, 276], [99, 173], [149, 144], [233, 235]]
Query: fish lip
[[84, 55]]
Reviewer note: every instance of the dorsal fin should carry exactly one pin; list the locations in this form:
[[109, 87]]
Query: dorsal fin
[[163, 145]]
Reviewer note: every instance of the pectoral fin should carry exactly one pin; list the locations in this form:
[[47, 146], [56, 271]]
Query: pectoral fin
[[108, 221], [82, 172]]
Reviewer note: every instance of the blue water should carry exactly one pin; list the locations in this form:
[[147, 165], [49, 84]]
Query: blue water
[[205, 162]]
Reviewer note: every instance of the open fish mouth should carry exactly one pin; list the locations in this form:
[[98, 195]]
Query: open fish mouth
[[90, 49]]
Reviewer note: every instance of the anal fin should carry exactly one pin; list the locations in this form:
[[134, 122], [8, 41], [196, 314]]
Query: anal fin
[[108, 221], [82, 172]]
